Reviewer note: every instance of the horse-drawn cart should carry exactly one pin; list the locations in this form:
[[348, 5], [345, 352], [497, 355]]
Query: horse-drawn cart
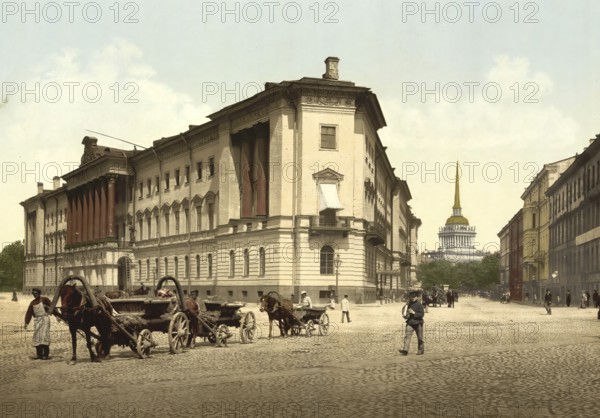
[[214, 323], [308, 319], [124, 322]]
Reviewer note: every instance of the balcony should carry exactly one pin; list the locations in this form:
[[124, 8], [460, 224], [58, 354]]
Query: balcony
[[375, 233], [319, 225]]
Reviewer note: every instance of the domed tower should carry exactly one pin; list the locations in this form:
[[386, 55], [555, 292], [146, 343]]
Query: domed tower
[[457, 236]]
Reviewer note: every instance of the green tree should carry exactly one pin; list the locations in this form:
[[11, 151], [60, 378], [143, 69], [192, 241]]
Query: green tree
[[12, 259], [472, 275]]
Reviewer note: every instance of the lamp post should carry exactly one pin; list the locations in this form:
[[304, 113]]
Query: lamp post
[[337, 261]]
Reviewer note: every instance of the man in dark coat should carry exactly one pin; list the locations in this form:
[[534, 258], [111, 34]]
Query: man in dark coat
[[414, 323], [568, 298], [548, 302]]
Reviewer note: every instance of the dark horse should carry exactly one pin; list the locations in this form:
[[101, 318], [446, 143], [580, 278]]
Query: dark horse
[[278, 309], [80, 314]]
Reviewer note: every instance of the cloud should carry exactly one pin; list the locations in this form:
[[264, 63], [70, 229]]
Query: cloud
[[111, 90]]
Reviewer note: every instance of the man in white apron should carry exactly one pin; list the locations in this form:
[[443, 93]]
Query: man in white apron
[[41, 324]]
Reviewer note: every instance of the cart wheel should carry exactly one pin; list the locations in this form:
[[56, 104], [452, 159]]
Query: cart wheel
[[211, 338], [295, 330], [310, 327], [145, 343], [179, 332], [248, 328], [222, 334], [323, 324]]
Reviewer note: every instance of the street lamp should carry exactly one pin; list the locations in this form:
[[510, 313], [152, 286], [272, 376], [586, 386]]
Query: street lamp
[[554, 276], [338, 262]]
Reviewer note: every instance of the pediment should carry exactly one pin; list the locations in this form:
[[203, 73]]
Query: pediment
[[328, 174]]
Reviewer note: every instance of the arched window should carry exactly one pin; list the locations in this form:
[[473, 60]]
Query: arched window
[[261, 261], [210, 265], [231, 263], [148, 274], [166, 266], [186, 267], [246, 262], [140, 270], [176, 272], [327, 260], [197, 266]]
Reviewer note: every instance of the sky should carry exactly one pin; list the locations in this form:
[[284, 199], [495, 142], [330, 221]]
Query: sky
[[501, 87]]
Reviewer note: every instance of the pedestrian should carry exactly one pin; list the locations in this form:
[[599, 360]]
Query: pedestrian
[[41, 324], [548, 302], [450, 299], [582, 300], [587, 299], [557, 300], [535, 298], [305, 301], [526, 296], [596, 298], [414, 323], [346, 309], [568, 298], [191, 305], [14, 296]]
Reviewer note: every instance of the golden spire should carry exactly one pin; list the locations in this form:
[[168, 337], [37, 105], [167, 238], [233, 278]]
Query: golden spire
[[456, 190], [457, 218]]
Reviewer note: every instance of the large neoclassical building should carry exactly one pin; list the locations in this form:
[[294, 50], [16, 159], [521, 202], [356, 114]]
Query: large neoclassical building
[[288, 190]]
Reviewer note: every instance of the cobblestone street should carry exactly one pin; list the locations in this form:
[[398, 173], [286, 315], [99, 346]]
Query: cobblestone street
[[482, 358]]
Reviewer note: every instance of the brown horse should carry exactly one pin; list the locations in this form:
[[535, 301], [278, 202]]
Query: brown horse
[[278, 309], [78, 312]]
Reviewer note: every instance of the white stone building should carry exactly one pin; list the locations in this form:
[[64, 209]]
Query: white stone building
[[288, 190]]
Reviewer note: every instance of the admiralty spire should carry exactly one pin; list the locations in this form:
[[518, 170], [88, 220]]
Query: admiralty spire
[[456, 237]]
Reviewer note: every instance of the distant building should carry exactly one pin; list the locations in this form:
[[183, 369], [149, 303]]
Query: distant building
[[288, 190], [456, 237]]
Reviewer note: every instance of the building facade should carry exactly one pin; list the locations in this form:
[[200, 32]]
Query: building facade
[[574, 227], [288, 190], [536, 219]]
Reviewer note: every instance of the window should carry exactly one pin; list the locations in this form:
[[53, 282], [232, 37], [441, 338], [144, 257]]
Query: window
[[149, 186], [166, 224], [198, 218], [140, 270], [211, 166], [533, 220], [167, 181], [149, 224], [186, 219], [140, 232], [246, 262], [157, 183], [327, 260], [147, 269], [187, 174], [199, 170], [177, 223], [328, 137], [176, 273], [210, 265], [166, 266], [177, 177], [261, 261], [141, 189], [231, 263]]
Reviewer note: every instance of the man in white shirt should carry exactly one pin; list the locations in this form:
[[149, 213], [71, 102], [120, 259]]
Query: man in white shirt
[[346, 309], [305, 301]]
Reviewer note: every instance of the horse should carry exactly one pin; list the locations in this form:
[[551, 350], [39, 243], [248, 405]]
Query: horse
[[117, 294], [278, 309], [78, 312]]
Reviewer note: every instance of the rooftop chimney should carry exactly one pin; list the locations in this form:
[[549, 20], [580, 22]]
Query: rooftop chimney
[[56, 182], [331, 68], [40, 188]]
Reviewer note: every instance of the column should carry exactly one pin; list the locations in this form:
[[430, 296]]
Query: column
[[84, 220], [97, 187], [261, 172], [103, 208], [246, 179], [110, 215], [79, 232]]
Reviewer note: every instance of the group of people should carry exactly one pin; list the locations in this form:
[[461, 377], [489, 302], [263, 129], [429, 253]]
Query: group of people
[[306, 302]]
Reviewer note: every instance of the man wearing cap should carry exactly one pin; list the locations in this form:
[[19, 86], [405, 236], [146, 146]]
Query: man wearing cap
[[305, 301], [414, 323], [192, 306], [41, 325], [548, 302]]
